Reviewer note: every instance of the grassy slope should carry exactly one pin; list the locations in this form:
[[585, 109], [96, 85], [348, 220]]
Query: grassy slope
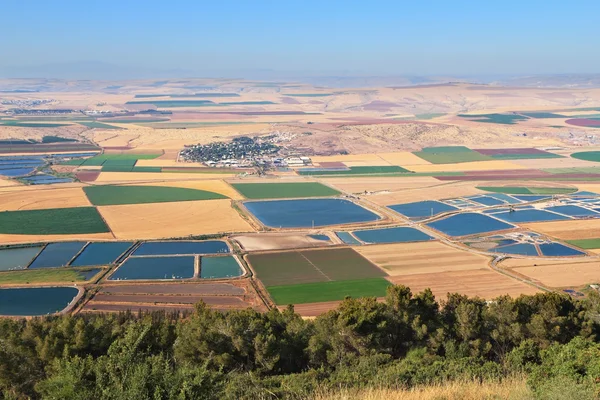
[[284, 190], [112, 195], [54, 221], [328, 291]]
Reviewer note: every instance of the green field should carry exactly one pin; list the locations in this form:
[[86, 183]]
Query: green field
[[505, 119], [585, 243], [175, 103], [450, 155], [246, 103], [99, 125], [54, 221], [284, 190], [529, 156], [118, 159], [112, 195], [42, 275], [429, 115], [21, 124], [587, 156], [328, 291], [573, 170], [391, 169], [538, 115], [307, 266], [526, 190]]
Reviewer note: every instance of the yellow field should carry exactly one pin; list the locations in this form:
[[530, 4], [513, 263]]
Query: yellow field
[[39, 198], [554, 163], [567, 230], [403, 158], [6, 182], [375, 184], [166, 163], [165, 220], [347, 158], [14, 239], [418, 258], [525, 262], [124, 177], [367, 163], [483, 283], [217, 186], [495, 165], [563, 274], [443, 190]]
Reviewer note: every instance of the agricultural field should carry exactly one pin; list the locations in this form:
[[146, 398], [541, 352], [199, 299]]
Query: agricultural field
[[45, 276], [450, 155], [284, 190], [108, 195], [176, 219], [36, 198], [54, 221]]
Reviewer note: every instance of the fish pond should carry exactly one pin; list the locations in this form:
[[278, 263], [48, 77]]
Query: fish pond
[[181, 247], [529, 216], [468, 224], [422, 209], [35, 301], [57, 254], [17, 258], [347, 238], [392, 235], [101, 253], [140, 268], [559, 250], [309, 212], [219, 267]]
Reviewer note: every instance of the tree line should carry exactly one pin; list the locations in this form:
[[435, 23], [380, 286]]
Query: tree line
[[404, 341]]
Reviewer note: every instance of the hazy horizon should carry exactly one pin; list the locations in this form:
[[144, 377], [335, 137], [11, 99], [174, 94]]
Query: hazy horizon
[[310, 38]]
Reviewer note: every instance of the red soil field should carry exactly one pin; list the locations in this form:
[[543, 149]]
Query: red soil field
[[511, 172], [379, 105], [87, 176], [112, 148], [289, 100], [586, 122], [92, 307], [215, 289], [493, 152]]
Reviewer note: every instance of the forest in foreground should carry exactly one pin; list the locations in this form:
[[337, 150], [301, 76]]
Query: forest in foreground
[[544, 346]]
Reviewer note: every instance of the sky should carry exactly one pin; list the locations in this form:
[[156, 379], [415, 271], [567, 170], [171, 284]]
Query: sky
[[368, 37]]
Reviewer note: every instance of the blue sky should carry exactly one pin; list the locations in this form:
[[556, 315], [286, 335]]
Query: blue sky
[[368, 37]]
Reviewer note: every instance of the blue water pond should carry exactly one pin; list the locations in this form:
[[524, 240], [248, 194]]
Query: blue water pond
[[468, 224], [181, 247], [422, 209], [392, 235], [309, 212], [155, 268], [35, 301]]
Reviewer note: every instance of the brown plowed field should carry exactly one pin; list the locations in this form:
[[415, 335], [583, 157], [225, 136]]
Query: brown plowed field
[[522, 150], [87, 176], [91, 306], [484, 283], [224, 301], [164, 220], [419, 258], [206, 289], [314, 309], [567, 230], [495, 165]]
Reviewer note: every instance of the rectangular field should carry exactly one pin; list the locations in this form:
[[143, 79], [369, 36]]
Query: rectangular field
[[306, 266], [450, 155], [492, 165], [380, 184], [55, 221], [43, 198], [483, 283], [328, 291], [563, 275], [567, 230], [592, 243], [166, 220], [38, 276], [284, 190], [359, 170], [103, 195], [418, 258]]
